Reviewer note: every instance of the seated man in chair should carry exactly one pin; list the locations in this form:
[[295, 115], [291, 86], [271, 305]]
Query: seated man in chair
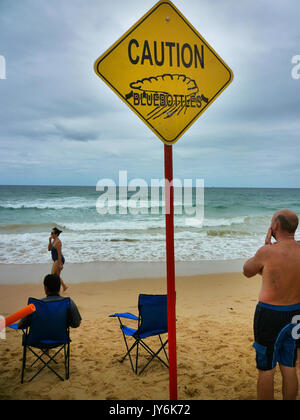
[[48, 328], [52, 285]]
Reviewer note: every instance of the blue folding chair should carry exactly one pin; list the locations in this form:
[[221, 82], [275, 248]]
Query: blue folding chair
[[48, 329], [152, 321]]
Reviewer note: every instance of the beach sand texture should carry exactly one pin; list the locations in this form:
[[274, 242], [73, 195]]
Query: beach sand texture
[[214, 339]]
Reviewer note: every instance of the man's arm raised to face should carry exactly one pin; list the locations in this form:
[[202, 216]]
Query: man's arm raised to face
[[255, 265]]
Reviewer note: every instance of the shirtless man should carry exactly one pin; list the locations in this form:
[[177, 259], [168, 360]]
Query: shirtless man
[[279, 302]]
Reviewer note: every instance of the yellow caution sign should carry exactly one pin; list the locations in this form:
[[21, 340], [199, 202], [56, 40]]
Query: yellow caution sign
[[165, 71]]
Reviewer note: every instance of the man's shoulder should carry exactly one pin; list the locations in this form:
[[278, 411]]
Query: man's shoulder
[[271, 252], [52, 298], [72, 302], [58, 299], [265, 250]]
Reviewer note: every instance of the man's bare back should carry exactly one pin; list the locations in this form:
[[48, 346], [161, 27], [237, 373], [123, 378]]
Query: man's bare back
[[278, 263], [281, 273]]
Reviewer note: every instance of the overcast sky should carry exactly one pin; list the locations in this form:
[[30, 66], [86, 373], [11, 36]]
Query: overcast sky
[[61, 125]]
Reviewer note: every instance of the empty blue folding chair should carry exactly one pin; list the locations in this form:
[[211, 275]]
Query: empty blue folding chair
[[47, 329], [152, 321]]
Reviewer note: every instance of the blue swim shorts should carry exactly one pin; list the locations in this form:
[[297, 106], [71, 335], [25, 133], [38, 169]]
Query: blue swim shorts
[[274, 341]]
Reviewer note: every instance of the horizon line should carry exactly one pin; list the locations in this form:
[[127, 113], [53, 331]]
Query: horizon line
[[94, 186]]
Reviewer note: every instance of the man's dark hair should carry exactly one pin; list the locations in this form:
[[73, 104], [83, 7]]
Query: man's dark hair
[[287, 224], [52, 283]]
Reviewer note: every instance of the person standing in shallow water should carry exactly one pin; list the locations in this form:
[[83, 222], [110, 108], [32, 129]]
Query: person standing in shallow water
[[55, 247]]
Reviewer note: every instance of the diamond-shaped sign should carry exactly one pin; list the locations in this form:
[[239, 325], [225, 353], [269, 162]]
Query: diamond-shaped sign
[[165, 71]]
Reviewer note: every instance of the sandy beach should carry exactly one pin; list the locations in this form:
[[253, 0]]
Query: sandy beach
[[214, 342]]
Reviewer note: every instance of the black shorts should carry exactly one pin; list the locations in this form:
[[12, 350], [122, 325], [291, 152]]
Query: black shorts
[[275, 335]]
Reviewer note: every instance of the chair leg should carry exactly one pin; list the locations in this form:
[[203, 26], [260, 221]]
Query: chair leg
[[128, 352], [43, 353], [164, 348], [46, 364], [150, 351], [137, 358], [67, 360], [23, 364]]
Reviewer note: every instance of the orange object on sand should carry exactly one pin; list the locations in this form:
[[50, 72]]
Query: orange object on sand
[[20, 314]]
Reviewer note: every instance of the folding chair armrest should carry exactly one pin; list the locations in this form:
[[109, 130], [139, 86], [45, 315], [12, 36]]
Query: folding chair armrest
[[16, 328], [124, 315]]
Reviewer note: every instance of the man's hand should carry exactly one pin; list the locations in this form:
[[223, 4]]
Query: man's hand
[[269, 237]]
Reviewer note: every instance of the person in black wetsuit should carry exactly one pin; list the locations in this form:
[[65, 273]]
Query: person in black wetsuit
[[55, 247]]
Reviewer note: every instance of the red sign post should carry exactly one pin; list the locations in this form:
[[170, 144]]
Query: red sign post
[[169, 211]]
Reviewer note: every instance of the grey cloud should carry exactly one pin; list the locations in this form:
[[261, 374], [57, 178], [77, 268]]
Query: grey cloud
[[52, 100]]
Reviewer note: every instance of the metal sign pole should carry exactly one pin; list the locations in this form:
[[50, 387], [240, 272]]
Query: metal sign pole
[[169, 212]]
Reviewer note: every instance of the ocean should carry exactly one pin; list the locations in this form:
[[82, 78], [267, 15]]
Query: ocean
[[234, 225]]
